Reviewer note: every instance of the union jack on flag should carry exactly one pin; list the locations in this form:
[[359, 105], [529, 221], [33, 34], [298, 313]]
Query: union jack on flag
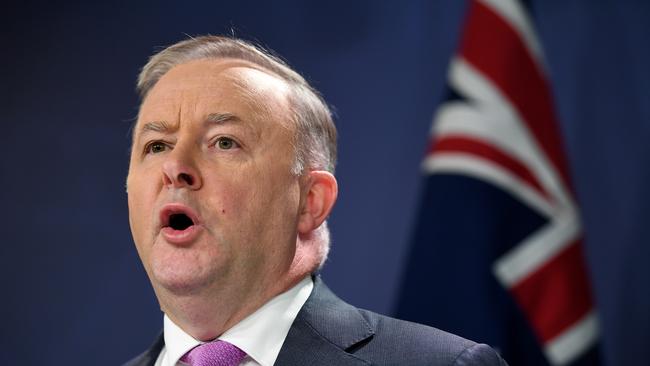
[[499, 235]]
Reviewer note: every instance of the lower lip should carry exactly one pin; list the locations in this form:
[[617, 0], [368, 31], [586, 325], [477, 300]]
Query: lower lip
[[181, 237]]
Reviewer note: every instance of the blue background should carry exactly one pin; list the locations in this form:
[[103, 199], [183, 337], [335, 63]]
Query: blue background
[[71, 280]]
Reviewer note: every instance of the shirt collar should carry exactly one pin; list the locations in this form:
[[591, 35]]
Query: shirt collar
[[177, 342], [260, 335]]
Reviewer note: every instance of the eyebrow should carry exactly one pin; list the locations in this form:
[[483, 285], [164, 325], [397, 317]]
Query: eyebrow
[[211, 119], [221, 118], [156, 126], [217, 119]]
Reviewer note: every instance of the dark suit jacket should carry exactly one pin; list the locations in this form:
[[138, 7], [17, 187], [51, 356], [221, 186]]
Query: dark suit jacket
[[328, 331]]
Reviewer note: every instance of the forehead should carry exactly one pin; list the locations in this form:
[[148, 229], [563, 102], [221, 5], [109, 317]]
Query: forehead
[[197, 88]]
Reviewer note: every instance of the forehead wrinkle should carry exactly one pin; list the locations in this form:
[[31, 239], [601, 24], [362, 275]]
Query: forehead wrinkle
[[266, 96]]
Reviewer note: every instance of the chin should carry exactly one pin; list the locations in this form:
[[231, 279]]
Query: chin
[[180, 286], [179, 280]]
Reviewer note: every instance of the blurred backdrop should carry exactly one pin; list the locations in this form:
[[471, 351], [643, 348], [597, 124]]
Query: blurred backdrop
[[72, 283]]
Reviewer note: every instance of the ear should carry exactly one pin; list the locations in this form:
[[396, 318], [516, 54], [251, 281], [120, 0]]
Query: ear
[[320, 192]]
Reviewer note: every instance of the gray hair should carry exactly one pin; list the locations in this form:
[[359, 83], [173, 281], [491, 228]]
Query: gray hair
[[315, 140]]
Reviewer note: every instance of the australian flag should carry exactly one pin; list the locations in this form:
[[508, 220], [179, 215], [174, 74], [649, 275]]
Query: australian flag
[[497, 252]]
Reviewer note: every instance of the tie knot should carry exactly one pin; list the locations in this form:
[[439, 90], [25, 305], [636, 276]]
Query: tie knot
[[217, 353]]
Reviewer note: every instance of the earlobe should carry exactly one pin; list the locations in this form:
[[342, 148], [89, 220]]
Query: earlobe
[[322, 190]]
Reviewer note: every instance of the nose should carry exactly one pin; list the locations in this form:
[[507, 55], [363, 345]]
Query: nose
[[179, 171]]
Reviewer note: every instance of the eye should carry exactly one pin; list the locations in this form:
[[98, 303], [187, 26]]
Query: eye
[[226, 143], [155, 147]]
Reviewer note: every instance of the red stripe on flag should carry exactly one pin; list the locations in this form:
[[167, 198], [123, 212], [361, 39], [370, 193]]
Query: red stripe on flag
[[486, 151], [557, 295], [493, 47]]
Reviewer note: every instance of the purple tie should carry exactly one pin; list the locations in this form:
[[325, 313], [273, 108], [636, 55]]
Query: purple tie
[[217, 353]]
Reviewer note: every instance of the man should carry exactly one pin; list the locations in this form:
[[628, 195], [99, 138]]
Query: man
[[230, 183]]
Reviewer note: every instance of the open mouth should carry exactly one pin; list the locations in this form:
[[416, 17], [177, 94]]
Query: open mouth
[[180, 221], [180, 225], [177, 217]]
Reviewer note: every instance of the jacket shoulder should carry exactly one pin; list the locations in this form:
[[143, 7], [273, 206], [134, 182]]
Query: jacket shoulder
[[399, 342]]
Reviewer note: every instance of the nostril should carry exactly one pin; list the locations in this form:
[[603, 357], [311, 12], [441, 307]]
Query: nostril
[[186, 178]]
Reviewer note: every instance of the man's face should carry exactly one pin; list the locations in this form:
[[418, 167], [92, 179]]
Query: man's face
[[213, 205]]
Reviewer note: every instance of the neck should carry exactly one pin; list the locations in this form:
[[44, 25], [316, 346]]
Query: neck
[[207, 313], [206, 317]]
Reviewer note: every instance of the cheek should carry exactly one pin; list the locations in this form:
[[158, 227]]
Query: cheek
[[238, 207], [140, 206], [228, 201], [250, 198]]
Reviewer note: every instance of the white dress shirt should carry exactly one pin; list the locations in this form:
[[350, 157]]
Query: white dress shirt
[[260, 334]]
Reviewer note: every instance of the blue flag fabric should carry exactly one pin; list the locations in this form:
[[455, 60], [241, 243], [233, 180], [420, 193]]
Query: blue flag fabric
[[497, 250]]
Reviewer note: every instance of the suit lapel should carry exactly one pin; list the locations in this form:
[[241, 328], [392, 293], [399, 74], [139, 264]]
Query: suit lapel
[[324, 330], [149, 357]]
